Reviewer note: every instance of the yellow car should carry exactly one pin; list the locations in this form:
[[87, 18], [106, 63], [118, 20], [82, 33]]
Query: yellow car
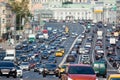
[[58, 54], [62, 50], [62, 68], [114, 77]]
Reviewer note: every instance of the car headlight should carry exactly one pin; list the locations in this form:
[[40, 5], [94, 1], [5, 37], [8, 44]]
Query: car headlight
[[13, 69], [69, 78], [45, 69], [96, 78]]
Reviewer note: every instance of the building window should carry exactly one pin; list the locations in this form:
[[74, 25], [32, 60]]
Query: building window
[[3, 11], [69, 12], [3, 21]]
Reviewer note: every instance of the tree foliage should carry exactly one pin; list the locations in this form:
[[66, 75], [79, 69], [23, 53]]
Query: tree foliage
[[21, 9]]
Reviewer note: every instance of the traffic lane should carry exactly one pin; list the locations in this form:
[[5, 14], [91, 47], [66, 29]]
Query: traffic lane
[[31, 75], [35, 75], [74, 27], [67, 46]]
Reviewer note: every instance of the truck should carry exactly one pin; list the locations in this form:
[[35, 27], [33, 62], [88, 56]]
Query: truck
[[45, 33], [31, 37], [10, 55], [112, 41]]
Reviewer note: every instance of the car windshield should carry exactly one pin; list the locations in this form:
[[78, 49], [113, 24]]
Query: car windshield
[[115, 79], [80, 70], [50, 66]]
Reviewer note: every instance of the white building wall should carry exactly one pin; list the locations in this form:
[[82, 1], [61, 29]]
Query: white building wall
[[77, 13]]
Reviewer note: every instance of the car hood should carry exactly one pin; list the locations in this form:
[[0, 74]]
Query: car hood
[[82, 77]]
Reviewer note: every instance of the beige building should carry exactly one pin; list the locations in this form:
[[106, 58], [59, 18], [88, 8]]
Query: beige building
[[118, 11], [7, 18]]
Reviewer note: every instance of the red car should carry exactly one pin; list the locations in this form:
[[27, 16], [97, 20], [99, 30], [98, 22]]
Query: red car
[[79, 72]]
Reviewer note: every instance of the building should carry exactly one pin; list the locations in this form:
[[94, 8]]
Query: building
[[7, 18], [118, 11], [73, 12]]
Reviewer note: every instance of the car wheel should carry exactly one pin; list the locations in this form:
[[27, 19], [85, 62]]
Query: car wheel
[[44, 75], [104, 76], [8, 76], [14, 75], [21, 76]]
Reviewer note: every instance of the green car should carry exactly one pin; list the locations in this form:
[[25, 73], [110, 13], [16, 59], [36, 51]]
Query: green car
[[100, 69]]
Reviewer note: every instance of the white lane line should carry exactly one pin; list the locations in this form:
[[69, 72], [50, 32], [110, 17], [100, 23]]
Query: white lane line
[[79, 60], [64, 59]]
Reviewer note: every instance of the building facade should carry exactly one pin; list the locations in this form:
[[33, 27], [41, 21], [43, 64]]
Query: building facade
[[118, 11], [7, 18]]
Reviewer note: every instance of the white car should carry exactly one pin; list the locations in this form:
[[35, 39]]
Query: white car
[[19, 72], [24, 66], [64, 38], [119, 69]]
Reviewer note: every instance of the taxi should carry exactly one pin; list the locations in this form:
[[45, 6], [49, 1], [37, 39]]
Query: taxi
[[62, 50], [63, 67], [58, 53], [114, 77]]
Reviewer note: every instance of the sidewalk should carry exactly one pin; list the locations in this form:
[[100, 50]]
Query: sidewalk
[[6, 45]]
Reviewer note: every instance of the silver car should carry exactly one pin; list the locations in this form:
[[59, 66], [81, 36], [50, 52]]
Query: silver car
[[24, 66]]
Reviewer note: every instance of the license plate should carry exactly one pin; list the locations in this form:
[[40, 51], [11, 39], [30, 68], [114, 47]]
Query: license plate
[[51, 72], [5, 73], [96, 71]]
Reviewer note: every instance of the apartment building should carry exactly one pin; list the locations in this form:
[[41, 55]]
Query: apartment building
[[7, 18]]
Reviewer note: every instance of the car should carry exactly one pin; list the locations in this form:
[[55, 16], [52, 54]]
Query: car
[[99, 55], [70, 58], [19, 72], [58, 53], [79, 72], [8, 68], [18, 47], [64, 38], [62, 68], [45, 55], [114, 77], [82, 50], [24, 66], [100, 69], [38, 68], [52, 60], [32, 64], [50, 69]]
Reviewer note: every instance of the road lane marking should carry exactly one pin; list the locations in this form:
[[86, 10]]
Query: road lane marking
[[105, 51], [79, 60], [64, 59]]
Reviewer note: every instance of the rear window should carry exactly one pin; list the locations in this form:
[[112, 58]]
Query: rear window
[[81, 70]]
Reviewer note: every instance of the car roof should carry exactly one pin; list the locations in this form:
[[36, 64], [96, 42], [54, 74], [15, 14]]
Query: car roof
[[114, 75]]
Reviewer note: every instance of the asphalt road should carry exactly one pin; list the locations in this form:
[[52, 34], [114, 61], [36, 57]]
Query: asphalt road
[[31, 75], [69, 43]]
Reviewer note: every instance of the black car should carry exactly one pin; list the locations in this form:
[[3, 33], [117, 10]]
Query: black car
[[70, 58], [8, 68], [50, 68], [45, 55]]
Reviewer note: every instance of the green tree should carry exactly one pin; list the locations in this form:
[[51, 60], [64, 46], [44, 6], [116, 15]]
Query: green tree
[[20, 8]]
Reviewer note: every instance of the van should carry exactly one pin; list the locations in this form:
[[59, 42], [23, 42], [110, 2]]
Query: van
[[100, 69]]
